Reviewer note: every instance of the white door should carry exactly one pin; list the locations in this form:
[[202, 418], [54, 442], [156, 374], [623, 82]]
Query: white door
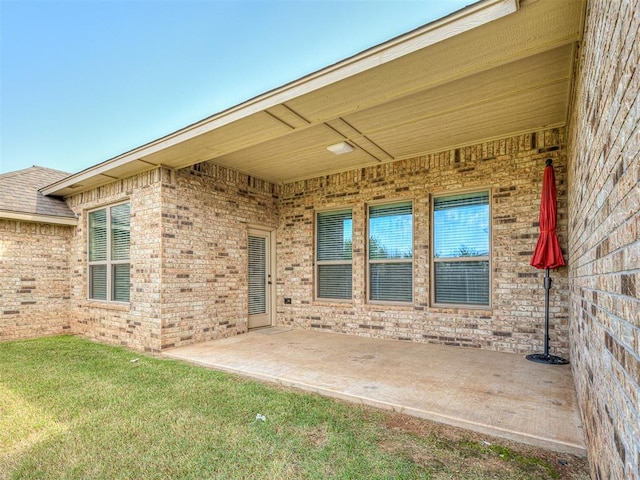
[[260, 282]]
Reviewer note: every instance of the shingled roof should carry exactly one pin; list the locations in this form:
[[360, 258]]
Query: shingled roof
[[21, 199]]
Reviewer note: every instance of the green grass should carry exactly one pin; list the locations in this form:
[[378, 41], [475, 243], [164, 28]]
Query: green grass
[[70, 408]]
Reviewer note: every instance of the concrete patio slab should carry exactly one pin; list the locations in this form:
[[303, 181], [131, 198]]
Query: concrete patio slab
[[495, 393]]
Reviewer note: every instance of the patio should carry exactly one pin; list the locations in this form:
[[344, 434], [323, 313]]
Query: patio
[[495, 393]]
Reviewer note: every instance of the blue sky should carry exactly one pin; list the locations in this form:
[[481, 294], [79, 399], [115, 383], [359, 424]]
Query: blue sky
[[82, 81]]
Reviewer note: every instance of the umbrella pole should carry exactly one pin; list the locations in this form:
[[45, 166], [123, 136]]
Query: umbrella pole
[[547, 287], [545, 357]]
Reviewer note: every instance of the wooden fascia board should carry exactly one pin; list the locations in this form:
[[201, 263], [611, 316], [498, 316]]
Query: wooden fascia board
[[458, 22]]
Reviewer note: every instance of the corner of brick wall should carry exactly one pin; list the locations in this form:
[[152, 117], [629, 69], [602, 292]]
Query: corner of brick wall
[[206, 213], [604, 246], [34, 280], [136, 325]]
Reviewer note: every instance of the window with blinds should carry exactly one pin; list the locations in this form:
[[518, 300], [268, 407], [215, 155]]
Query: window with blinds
[[334, 255], [390, 257], [109, 241], [461, 249]]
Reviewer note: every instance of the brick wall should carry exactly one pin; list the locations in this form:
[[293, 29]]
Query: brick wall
[[512, 169], [206, 214], [188, 256], [604, 233], [136, 325], [34, 279]]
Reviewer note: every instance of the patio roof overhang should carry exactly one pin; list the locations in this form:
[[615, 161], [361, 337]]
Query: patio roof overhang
[[493, 69]]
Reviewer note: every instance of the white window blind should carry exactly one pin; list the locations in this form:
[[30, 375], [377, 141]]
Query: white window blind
[[121, 274], [461, 235], [391, 252], [120, 232], [98, 235], [108, 252], [334, 255], [98, 282], [257, 276]]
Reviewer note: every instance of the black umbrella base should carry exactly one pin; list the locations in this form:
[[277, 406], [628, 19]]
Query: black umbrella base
[[548, 359]]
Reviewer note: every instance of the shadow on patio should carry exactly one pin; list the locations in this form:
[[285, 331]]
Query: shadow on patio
[[495, 393]]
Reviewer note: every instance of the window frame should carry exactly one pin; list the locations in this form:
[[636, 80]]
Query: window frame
[[109, 263], [370, 261], [318, 263], [481, 258]]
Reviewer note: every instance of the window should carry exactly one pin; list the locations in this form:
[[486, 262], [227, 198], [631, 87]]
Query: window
[[461, 233], [391, 252], [333, 255], [109, 269]]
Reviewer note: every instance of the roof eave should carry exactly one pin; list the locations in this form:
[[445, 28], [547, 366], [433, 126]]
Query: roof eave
[[37, 218], [470, 17]]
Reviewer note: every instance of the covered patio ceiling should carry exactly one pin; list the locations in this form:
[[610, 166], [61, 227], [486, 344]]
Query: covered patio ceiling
[[494, 69]]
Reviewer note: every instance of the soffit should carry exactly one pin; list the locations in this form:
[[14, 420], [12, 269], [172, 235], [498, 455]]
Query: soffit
[[507, 76]]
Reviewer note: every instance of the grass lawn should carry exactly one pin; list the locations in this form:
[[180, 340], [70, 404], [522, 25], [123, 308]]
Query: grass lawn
[[70, 408]]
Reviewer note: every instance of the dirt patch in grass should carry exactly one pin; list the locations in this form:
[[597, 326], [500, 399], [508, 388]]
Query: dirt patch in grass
[[317, 436], [446, 451]]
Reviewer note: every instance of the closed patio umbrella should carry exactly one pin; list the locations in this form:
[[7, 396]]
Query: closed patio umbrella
[[547, 255]]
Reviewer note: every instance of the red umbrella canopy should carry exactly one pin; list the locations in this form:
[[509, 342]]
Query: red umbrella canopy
[[548, 253]]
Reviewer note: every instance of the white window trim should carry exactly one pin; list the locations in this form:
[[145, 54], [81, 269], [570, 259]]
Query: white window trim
[[483, 258], [109, 263], [391, 260]]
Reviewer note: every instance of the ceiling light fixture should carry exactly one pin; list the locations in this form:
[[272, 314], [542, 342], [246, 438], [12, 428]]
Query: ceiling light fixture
[[340, 148]]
